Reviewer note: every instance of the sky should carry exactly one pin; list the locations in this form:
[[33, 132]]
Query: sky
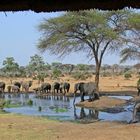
[[19, 37]]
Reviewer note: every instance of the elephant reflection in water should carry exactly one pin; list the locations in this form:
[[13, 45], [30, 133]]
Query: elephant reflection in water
[[91, 115]]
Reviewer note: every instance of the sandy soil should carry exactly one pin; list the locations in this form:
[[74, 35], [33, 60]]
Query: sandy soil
[[102, 103]]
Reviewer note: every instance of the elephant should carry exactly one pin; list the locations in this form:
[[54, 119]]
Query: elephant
[[26, 86], [15, 89], [9, 89], [55, 87], [45, 87], [38, 89], [78, 86], [2, 87], [17, 84], [138, 88], [64, 87], [86, 89]]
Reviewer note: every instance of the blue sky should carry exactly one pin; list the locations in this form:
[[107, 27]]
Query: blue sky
[[19, 37]]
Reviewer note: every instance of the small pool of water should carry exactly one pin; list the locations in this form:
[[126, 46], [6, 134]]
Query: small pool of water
[[122, 97], [63, 109]]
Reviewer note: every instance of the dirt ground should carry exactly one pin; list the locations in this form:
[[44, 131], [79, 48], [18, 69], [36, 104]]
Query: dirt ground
[[102, 103], [18, 127]]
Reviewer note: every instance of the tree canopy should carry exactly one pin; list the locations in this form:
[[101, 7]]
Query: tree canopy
[[132, 50]]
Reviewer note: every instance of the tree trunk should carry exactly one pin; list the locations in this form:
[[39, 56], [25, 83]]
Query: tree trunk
[[97, 74]]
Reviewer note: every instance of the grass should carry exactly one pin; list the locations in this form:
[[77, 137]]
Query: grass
[[61, 110], [20, 127], [8, 104]]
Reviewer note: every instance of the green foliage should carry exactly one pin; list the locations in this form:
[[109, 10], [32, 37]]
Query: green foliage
[[36, 64], [61, 110], [11, 68], [132, 51], [127, 75], [8, 104], [56, 73], [82, 67], [81, 75], [30, 102], [41, 77]]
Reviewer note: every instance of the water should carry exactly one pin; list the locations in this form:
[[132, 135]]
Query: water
[[122, 97], [63, 109]]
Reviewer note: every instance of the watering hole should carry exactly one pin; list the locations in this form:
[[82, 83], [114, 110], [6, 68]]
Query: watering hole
[[64, 110]]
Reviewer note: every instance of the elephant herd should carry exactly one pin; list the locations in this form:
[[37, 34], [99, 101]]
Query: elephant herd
[[16, 86], [84, 88], [56, 87]]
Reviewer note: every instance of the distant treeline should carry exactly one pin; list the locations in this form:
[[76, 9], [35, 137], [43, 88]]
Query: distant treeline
[[37, 68]]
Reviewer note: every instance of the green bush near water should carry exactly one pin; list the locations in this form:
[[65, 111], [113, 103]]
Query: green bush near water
[[30, 102]]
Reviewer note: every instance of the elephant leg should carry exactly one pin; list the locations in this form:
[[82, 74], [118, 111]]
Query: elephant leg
[[82, 96], [57, 91], [74, 98], [134, 115], [138, 92]]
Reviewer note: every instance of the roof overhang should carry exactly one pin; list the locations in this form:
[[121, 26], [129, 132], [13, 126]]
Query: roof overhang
[[65, 5]]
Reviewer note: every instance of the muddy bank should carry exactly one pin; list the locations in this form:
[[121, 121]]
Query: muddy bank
[[103, 103]]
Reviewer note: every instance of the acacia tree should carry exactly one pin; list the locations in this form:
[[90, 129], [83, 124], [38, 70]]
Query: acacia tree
[[132, 51], [93, 32]]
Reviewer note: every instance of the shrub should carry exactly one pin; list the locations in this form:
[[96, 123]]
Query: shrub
[[127, 75], [41, 77], [81, 75], [56, 73], [30, 102]]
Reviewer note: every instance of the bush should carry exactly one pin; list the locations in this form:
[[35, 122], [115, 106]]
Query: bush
[[81, 75], [56, 73], [30, 102], [41, 77], [127, 75]]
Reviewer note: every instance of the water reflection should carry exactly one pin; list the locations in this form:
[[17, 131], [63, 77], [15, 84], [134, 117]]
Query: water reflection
[[88, 115]]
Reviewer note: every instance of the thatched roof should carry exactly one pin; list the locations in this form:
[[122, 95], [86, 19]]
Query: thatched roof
[[61, 5]]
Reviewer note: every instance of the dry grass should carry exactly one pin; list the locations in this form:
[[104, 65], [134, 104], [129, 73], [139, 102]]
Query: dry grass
[[15, 127]]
